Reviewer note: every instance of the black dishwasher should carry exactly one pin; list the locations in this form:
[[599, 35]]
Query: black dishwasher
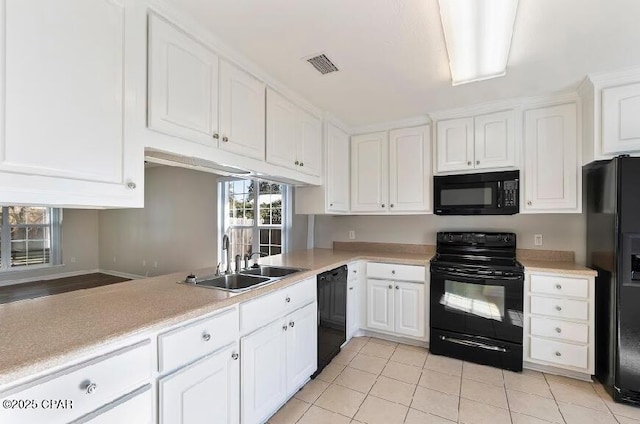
[[332, 314]]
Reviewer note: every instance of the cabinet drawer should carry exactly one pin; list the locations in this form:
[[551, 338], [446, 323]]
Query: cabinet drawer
[[186, 344], [563, 286], [559, 353], [88, 386], [560, 308], [395, 272], [258, 312], [557, 329], [353, 271], [133, 408]]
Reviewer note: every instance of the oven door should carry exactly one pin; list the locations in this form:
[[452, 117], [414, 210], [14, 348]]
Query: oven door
[[467, 302]]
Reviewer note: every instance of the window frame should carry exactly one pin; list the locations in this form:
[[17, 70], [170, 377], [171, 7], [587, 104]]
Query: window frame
[[223, 216], [55, 231]]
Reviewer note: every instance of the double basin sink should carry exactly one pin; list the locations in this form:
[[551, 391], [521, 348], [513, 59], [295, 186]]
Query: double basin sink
[[244, 280]]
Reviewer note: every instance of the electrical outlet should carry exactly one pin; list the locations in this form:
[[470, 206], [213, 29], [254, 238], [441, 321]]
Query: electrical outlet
[[537, 239], [352, 235]]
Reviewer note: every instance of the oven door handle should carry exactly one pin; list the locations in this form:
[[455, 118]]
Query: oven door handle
[[466, 275], [473, 344]]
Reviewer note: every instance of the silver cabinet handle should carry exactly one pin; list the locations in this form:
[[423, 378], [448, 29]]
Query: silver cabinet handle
[[397, 287], [390, 286], [330, 204], [355, 271], [287, 299], [216, 136], [383, 205], [296, 163], [301, 163], [292, 324], [469, 163], [285, 327], [350, 288], [90, 388], [558, 308], [131, 185], [393, 271], [235, 356], [206, 337], [477, 162], [529, 203], [225, 139], [558, 286], [391, 205], [558, 330], [558, 354]]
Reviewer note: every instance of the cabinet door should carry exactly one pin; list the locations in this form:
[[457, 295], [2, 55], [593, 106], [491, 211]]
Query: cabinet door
[[369, 172], [409, 309], [551, 160], [620, 123], [337, 173], [203, 392], [263, 372], [282, 118], [183, 84], [302, 346], [309, 143], [242, 112], [410, 173], [495, 140], [380, 305], [454, 145], [62, 130]]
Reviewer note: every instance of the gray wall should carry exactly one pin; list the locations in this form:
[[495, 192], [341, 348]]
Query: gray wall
[[559, 231], [79, 248], [176, 230]]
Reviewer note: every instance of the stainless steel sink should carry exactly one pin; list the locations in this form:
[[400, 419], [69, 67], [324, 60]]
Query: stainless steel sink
[[231, 282], [271, 271]]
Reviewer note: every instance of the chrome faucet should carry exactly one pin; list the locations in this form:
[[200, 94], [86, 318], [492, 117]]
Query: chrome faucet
[[237, 262], [225, 246], [248, 256]]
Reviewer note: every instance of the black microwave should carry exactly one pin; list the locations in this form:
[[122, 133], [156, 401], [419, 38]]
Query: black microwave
[[491, 193]]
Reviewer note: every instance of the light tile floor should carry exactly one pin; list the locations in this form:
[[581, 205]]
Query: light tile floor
[[375, 381]]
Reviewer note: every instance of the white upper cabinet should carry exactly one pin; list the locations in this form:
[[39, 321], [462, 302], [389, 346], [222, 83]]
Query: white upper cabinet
[[337, 174], [242, 112], [454, 145], [369, 172], [552, 174], [482, 142], [620, 119], [410, 169], [294, 136], [67, 95], [183, 85]]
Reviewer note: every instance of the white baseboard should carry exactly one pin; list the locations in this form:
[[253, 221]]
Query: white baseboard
[[121, 274], [51, 276]]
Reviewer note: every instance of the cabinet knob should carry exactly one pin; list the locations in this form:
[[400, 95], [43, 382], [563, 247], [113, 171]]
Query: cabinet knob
[[393, 271], [355, 271], [558, 286], [383, 205], [301, 163], [287, 299], [558, 308], [206, 337], [330, 204], [90, 388], [469, 163], [397, 287], [558, 354], [390, 286], [216, 136], [131, 185], [477, 162], [285, 327], [225, 139], [292, 324], [235, 356], [297, 163], [529, 203], [558, 330], [350, 288], [391, 205]]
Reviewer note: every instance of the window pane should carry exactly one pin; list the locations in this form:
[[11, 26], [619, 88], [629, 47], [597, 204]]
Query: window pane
[[28, 215]]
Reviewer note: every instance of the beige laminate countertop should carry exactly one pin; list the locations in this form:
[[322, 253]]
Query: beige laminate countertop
[[557, 266], [42, 333]]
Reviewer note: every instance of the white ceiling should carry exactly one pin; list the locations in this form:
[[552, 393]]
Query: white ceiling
[[391, 53]]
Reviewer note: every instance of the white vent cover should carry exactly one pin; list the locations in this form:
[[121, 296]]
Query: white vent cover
[[322, 64]]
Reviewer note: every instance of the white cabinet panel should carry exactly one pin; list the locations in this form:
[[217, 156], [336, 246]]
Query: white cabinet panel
[[560, 307], [302, 346], [454, 144], [410, 170], [495, 140], [409, 309], [551, 160], [264, 371], [620, 123], [242, 112], [202, 392], [281, 130], [337, 174], [183, 84], [563, 354], [369, 172], [380, 305], [560, 286], [558, 329], [134, 408], [309, 143]]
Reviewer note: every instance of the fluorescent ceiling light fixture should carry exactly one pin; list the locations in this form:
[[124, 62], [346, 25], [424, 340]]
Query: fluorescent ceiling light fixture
[[478, 36]]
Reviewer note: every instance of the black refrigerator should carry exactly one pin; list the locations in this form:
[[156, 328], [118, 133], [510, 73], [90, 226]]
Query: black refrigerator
[[613, 249]]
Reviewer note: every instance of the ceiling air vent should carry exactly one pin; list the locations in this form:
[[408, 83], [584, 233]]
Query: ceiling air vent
[[322, 64]]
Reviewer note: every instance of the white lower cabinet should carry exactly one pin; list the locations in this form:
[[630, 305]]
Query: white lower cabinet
[[353, 300], [135, 408], [203, 392], [397, 307], [276, 361]]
